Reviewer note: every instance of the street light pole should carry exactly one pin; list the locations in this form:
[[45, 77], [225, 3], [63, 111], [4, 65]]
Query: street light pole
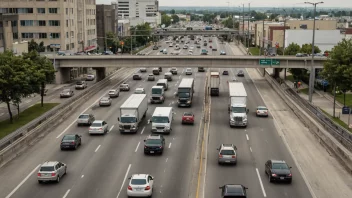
[[249, 16], [312, 70], [243, 20], [284, 43]]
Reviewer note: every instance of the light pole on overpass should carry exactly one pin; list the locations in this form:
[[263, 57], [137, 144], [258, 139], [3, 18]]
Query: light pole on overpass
[[284, 41], [312, 69]]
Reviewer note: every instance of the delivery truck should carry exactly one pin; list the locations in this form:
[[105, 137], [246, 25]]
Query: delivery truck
[[237, 105], [214, 83]]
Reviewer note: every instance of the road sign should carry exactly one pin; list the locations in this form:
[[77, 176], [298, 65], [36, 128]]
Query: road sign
[[269, 62]]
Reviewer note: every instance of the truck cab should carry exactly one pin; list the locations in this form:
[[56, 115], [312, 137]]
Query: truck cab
[[157, 95], [168, 76], [163, 82]]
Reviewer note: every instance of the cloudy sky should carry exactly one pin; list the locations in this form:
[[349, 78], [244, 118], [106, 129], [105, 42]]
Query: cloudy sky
[[254, 3]]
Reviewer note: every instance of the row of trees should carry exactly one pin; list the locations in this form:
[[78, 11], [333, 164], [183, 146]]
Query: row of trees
[[294, 48], [230, 23], [166, 20], [21, 76]]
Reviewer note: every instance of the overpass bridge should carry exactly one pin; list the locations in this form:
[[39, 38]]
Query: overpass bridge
[[198, 32]]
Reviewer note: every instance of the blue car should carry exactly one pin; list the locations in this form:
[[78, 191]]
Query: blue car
[[222, 53]]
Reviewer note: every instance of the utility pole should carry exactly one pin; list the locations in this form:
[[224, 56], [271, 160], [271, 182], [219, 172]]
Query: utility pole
[[312, 69], [243, 20], [249, 16], [263, 39]]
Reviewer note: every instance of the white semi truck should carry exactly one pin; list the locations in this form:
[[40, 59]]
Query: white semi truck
[[132, 111], [237, 104], [214, 83]]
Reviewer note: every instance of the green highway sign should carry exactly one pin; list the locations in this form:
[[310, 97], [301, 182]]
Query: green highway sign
[[269, 62]]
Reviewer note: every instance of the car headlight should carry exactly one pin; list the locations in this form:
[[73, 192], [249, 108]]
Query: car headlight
[[232, 119], [188, 101], [133, 126], [167, 127]]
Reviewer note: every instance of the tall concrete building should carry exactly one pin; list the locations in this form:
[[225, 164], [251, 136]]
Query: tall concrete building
[[139, 11], [66, 25], [105, 23]]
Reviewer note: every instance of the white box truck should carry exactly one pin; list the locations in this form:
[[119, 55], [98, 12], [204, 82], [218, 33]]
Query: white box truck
[[132, 111], [214, 83], [237, 104], [157, 94], [162, 120]]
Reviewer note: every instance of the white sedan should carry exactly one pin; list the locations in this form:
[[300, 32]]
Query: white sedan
[[140, 185], [262, 111]]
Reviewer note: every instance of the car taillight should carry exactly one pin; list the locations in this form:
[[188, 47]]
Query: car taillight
[[39, 174], [234, 156], [147, 188], [220, 156], [290, 175], [90, 128], [160, 146], [53, 174], [100, 128], [257, 111], [73, 142], [129, 188], [274, 175], [145, 147]]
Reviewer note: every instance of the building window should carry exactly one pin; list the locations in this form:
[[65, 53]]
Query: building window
[[27, 35], [53, 10], [54, 23], [66, 34], [15, 35], [66, 10], [72, 45], [14, 23], [26, 22], [1, 36], [41, 10], [54, 35], [41, 23], [43, 35], [71, 34], [67, 46], [25, 10]]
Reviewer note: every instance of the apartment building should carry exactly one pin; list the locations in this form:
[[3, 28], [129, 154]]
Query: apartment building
[[66, 25], [139, 11], [105, 23]]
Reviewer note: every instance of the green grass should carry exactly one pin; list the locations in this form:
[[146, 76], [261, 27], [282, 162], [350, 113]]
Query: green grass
[[338, 121], [25, 117], [290, 78], [339, 98], [255, 51], [136, 51], [304, 90]]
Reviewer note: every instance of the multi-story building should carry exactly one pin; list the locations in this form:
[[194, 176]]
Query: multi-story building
[[105, 23], [139, 11], [67, 25], [124, 28]]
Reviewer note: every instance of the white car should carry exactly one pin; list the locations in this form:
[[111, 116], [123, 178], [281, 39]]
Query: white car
[[139, 91], [124, 87], [185, 47], [90, 77], [113, 93], [98, 127], [262, 111], [189, 71], [143, 69], [140, 185]]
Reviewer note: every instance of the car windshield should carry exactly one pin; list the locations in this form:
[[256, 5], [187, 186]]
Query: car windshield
[[66, 90], [103, 99], [160, 119], [187, 114], [138, 181], [262, 108], [112, 91], [83, 116], [153, 141], [47, 168], [183, 95], [79, 83], [69, 137], [280, 166], [238, 109], [227, 152], [157, 91], [96, 124], [240, 72], [128, 119], [151, 75]]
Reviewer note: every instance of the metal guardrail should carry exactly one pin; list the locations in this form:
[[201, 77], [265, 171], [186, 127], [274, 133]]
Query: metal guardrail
[[10, 138], [337, 131]]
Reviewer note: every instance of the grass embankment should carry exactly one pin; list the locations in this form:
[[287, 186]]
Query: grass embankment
[[255, 51], [142, 48], [26, 116], [339, 98], [338, 121]]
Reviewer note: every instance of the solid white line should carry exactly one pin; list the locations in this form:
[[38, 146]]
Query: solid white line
[[111, 128], [137, 147], [167, 159], [97, 148], [68, 191], [82, 176], [247, 137], [261, 183], [143, 129], [170, 145], [250, 148], [124, 180], [22, 182]]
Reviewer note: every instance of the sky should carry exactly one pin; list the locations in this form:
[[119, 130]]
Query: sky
[[254, 3]]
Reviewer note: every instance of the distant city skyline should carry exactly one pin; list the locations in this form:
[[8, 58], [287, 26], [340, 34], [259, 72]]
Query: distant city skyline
[[254, 3]]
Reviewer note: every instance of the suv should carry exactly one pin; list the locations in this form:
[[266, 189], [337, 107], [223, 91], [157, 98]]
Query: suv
[[51, 171], [278, 170], [173, 70], [154, 143], [227, 154], [233, 190], [201, 69], [156, 71], [124, 87], [81, 85], [137, 77]]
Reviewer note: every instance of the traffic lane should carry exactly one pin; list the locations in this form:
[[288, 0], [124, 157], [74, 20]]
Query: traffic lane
[[41, 150], [176, 156], [267, 144], [220, 133]]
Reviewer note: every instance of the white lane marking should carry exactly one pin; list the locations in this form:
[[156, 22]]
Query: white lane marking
[[261, 183], [250, 148], [170, 145], [247, 137], [144, 128], [68, 191], [97, 148], [82, 176], [111, 128], [124, 180], [137, 147], [22, 182], [167, 159], [148, 123]]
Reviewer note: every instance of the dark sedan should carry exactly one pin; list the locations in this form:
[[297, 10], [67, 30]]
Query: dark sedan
[[225, 72], [278, 170], [71, 141], [240, 73]]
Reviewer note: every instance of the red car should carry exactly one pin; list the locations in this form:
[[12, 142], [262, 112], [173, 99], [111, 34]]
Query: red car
[[188, 118], [210, 46]]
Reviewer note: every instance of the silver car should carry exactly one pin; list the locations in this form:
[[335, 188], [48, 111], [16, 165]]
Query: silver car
[[113, 93], [227, 154], [81, 85], [188, 71], [98, 127], [66, 93], [151, 77], [124, 87], [140, 185], [139, 91], [262, 111], [51, 171], [143, 69], [90, 77], [105, 101], [85, 119]]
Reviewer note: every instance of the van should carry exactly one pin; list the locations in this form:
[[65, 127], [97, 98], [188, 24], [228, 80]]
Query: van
[[162, 82], [156, 71], [168, 76], [162, 120], [164, 51]]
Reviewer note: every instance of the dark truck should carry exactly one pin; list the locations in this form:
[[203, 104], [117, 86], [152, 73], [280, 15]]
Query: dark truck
[[185, 92]]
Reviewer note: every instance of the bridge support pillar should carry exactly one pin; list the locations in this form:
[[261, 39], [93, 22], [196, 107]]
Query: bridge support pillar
[[276, 73], [101, 73], [62, 75]]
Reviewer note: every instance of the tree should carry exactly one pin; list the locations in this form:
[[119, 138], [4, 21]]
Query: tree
[[43, 72], [260, 16], [307, 48], [222, 15], [298, 73], [175, 18], [32, 45], [229, 23], [112, 42], [292, 49], [173, 11], [273, 16], [166, 20], [338, 67], [143, 33]]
